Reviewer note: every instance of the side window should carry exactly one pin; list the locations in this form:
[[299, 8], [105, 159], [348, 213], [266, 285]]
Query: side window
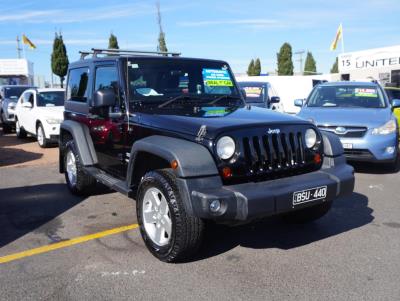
[[78, 84], [28, 97], [106, 78]]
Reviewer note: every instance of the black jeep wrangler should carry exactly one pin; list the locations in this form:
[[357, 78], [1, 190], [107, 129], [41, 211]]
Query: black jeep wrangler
[[175, 134]]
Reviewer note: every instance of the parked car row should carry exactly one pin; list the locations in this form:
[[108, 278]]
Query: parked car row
[[37, 112]]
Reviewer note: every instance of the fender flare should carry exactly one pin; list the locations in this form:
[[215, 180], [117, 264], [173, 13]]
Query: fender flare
[[80, 133], [332, 145], [194, 160]]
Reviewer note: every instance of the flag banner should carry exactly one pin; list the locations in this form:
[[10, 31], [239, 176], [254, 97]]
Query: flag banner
[[28, 42], [337, 38]]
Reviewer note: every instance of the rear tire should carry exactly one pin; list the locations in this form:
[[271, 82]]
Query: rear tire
[[78, 182], [41, 136], [168, 231], [307, 215], [20, 132]]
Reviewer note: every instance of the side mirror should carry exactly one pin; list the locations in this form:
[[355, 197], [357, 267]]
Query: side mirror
[[27, 105], [104, 98], [299, 102], [395, 104], [243, 91], [275, 99]]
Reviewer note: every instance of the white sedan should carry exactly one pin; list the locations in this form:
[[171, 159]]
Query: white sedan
[[39, 112]]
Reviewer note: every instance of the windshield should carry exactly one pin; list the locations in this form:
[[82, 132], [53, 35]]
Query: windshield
[[158, 80], [393, 93], [14, 92], [253, 93], [50, 99], [346, 96]]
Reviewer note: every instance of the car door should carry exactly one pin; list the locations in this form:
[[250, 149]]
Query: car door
[[108, 125], [24, 112]]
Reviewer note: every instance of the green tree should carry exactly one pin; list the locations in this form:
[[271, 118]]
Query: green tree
[[250, 69], [59, 58], [310, 66], [285, 63], [335, 66], [257, 67], [162, 45], [113, 42]]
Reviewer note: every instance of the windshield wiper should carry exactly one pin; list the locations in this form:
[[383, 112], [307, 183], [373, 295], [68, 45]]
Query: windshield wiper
[[225, 96], [179, 97]]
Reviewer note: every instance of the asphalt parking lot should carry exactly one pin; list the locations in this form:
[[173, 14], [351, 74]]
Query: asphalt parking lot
[[57, 246]]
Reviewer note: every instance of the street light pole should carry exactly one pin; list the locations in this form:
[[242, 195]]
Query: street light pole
[[300, 60]]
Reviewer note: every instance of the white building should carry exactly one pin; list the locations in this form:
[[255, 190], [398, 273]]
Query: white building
[[16, 72], [381, 64]]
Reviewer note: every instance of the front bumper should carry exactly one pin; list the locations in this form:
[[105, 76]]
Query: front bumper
[[52, 131], [245, 202], [371, 148]]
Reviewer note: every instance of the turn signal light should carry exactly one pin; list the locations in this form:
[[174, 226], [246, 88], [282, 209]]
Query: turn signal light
[[317, 158], [226, 172], [174, 164]]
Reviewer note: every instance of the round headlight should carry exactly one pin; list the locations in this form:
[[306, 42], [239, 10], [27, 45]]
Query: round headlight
[[225, 147], [311, 138]]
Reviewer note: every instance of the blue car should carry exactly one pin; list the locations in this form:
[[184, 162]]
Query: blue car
[[360, 114]]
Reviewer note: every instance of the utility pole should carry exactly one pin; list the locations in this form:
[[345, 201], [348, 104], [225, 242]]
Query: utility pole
[[18, 48], [300, 59]]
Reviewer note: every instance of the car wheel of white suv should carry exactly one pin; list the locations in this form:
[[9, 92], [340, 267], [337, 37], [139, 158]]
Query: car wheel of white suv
[[21, 133], [41, 137]]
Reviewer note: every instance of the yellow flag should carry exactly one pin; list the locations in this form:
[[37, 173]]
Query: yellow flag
[[337, 37], [28, 42]]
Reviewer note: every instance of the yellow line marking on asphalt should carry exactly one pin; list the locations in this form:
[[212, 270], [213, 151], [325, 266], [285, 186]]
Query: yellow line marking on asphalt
[[66, 243]]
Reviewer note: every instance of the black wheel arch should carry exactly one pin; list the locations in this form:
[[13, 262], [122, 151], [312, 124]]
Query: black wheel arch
[[70, 129], [157, 152]]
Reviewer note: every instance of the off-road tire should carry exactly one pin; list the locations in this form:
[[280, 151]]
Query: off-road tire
[[84, 184], [308, 214], [187, 231], [45, 142], [19, 131]]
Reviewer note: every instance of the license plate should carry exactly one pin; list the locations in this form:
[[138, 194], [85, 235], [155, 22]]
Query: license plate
[[347, 145], [309, 195]]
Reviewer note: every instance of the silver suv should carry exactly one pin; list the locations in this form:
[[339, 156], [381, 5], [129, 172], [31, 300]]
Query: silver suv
[[8, 100]]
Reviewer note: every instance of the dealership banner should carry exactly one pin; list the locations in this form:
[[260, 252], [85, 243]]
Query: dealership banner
[[388, 57]]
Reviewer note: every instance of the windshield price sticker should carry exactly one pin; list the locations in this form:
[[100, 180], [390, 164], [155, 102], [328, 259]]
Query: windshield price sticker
[[217, 78], [365, 92], [253, 91], [214, 111]]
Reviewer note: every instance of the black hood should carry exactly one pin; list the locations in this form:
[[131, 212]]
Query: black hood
[[216, 119]]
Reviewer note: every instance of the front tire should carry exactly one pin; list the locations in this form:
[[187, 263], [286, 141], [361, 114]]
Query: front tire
[[78, 182], [41, 136], [307, 215], [168, 231], [20, 132], [6, 127]]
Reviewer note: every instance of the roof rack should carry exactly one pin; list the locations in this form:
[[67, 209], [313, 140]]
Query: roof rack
[[96, 51]]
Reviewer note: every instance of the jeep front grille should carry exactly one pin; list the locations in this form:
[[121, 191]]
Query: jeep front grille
[[262, 156], [274, 152]]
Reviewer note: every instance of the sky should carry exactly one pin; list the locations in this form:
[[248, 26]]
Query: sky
[[235, 31]]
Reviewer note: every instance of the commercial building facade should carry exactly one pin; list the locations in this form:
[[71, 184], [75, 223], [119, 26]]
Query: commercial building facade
[[380, 64]]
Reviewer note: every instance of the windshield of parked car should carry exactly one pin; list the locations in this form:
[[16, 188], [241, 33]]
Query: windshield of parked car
[[179, 80], [254, 93], [347, 96], [393, 93], [14, 93], [50, 99]]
